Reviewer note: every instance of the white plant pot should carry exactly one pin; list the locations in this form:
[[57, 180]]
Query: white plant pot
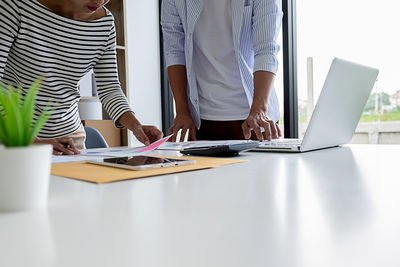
[[24, 177]]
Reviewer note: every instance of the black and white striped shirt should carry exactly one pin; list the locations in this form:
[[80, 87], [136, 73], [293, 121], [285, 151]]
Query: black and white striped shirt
[[35, 41]]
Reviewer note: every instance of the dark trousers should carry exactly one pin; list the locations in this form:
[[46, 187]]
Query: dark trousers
[[221, 130]]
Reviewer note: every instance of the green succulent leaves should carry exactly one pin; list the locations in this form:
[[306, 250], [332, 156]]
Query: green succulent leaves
[[17, 124]]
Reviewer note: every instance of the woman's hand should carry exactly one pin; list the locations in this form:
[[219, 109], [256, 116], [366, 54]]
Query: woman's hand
[[185, 122], [61, 146], [144, 133]]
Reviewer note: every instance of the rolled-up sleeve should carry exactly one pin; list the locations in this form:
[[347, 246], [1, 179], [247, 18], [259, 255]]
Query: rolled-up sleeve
[[173, 34], [267, 19]]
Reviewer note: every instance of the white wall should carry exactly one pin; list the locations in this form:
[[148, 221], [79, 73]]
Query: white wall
[[143, 42], [85, 84]]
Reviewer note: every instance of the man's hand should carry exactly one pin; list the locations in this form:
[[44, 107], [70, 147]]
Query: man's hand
[[258, 119], [185, 122], [61, 146], [258, 116]]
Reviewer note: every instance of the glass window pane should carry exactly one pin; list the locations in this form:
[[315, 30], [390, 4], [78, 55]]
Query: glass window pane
[[357, 30]]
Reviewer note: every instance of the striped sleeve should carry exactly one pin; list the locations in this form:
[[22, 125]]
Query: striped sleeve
[[173, 34], [108, 85], [267, 18], [9, 27]]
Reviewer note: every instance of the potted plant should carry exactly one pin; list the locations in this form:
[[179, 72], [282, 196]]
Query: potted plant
[[24, 167]]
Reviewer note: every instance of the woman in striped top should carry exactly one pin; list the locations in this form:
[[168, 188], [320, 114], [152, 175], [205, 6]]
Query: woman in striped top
[[61, 41]]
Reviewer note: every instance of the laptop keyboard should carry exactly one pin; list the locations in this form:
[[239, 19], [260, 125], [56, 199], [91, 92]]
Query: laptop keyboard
[[281, 143]]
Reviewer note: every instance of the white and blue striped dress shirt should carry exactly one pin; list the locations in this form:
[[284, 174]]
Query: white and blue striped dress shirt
[[255, 27]]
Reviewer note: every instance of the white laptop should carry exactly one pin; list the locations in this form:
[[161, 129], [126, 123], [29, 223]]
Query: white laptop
[[337, 112]]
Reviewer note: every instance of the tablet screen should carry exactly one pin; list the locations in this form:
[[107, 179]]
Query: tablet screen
[[140, 160]]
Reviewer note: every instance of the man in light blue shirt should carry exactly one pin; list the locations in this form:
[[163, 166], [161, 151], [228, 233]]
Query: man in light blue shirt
[[221, 61]]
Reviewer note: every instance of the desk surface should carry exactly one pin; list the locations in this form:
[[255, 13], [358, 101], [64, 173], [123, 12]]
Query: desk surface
[[334, 207]]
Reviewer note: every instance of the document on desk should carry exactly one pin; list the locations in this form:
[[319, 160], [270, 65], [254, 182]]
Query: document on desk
[[192, 144], [109, 152], [103, 174], [69, 158]]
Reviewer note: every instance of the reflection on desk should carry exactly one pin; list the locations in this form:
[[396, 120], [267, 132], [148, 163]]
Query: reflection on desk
[[333, 207]]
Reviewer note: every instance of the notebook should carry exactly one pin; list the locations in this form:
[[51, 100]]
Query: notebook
[[337, 112], [221, 150], [210, 147]]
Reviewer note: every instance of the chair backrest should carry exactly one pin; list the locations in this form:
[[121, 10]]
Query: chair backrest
[[94, 139]]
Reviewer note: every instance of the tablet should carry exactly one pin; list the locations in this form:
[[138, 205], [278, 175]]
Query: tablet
[[141, 162], [223, 150]]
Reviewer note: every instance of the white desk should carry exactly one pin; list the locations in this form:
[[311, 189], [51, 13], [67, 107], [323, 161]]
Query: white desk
[[337, 207]]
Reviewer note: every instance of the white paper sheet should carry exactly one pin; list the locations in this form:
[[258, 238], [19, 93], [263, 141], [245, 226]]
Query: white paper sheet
[[99, 153], [191, 144]]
